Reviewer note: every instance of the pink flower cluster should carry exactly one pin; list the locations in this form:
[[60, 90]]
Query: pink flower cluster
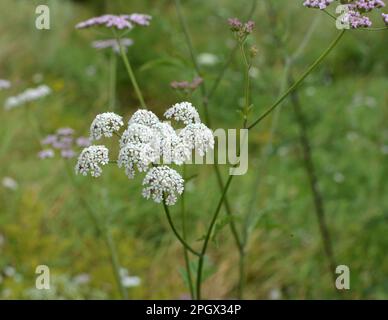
[[186, 85], [237, 26], [353, 17], [63, 141], [240, 29], [319, 4], [116, 21], [367, 5], [385, 18]]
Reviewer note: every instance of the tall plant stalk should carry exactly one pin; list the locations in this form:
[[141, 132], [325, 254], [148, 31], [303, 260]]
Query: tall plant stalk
[[131, 74], [103, 231], [112, 80], [184, 236], [206, 97], [269, 110], [314, 183]]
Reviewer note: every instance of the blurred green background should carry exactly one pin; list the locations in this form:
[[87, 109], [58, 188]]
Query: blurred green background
[[345, 103]]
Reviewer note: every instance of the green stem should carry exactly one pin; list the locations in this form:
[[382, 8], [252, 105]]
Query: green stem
[[131, 75], [186, 255], [300, 80], [241, 282], [207, 237], [115, 262], [206, 97], [181, 240], [100, 230], [112, 81]]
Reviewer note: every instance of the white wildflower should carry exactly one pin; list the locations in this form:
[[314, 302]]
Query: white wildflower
[[136, 133], [90, 160], [9, 183], [27, 96], [130, 281], [197, 137], [184, 112], [163, 183], [164, 140], [144, 117], [136, 155], [207, 59], [105, 124], [4, 84]]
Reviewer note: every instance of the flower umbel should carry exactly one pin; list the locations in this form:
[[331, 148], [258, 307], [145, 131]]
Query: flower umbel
[[136, 155], [183, 112], [163, 183], [105, 124], [90, 160], [148, 145]]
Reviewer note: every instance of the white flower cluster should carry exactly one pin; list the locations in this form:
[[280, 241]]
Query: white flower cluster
[[197, 136], [4, 84], [139, 155], [163, 183], [145, 143], [27, 96], [184, 112], [105, 124], [90, 160]]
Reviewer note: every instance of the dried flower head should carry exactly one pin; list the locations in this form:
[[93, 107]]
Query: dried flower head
[[105, 124], [91, 159], [184, 112], [241, 30], [187, 86], [163, 183]]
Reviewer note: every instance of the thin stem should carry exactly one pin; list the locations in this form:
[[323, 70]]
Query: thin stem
[[247, 67], [131, 75], [205, 101], [207, 237], [241, 282], [314, 184], [112, 81], [185, 30], [100, 230], [186, 255], [115, 262], [300, 80], [221, 73], [183, 242]]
